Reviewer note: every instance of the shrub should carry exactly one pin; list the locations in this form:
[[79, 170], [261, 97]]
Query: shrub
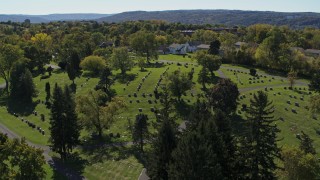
[[253, 72], [94, 64]]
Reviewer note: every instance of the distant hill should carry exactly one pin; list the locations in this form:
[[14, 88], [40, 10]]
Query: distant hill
[[51, 17], [227, 17]]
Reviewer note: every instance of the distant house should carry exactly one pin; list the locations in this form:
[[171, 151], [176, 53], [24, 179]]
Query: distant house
[[193, 46], [239, 44], [179, 49], [203, 47], [187, 32], [312, 52], [106, 44]]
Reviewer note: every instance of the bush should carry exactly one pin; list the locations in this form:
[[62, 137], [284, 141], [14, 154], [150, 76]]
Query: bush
[[94, 64], [253, 72]]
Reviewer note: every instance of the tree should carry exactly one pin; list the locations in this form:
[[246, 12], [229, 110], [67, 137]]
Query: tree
[[163, 144], [95, 113], [292, 76], [224, 96], [9, 54], [315, 81], [306, 144], [179, 83], [105, 83], [72, 74], [198, 154], [120, 60], [212, 62], [141, 63], [48, 91], [298, 165], [214, 47], [94, 64], [203, 77], [253, 72], [64, 125], [315, 104], [21, 83], [18, 160], [140, 130], [262, 149], [144, 43], [43, 43]]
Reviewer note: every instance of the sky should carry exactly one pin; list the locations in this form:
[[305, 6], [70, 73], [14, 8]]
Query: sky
[[39, 7]]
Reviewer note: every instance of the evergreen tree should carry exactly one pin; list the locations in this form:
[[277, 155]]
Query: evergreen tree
[[203, 77], [48, 91], [214, 47], [105, 83], [262, 147], [72, 74], [162, 146], [306, 144], [73, 126], [64, 127], [140, 130], [21, 83], [197, 154]]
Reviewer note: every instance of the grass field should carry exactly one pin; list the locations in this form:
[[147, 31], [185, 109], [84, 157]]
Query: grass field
[[177, 58], [123, 163]]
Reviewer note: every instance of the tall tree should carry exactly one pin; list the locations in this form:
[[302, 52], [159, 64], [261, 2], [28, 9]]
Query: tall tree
[[203, 77], [97, 115], [105, 83], [211, 62], [163, 144], [48, 91], [263, 147], [144, 43], [121, 60], [224, 96], [9, 54], [179, 83], [43, 43], [140, 130], [292, 76], [64, 125], [214, 47], [21, 83]]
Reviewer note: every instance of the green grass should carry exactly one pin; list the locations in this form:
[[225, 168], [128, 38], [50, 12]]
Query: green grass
[[122, 163], [293, 123], [177, 58], [2, 81]]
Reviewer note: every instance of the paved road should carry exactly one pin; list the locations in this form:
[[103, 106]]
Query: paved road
[[59, 167]]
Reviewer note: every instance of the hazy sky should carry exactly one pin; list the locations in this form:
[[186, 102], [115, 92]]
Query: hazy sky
[[116, 6]]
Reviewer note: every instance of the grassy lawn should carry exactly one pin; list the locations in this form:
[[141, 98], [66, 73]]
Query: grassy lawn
[[292, 123], [122, 162], [2, 81], [177, 58]]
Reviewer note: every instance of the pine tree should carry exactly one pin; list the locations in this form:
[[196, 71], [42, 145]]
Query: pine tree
[[105, 83], [58, 133], [262, 148], [73, 126], [306, 144], [140, 130], [65, 128], [162, 146], [197, 154], [315, 81], [48, 91]]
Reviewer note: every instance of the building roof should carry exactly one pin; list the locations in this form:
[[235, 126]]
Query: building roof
[[194, 43], [203, 46], [174, 45]]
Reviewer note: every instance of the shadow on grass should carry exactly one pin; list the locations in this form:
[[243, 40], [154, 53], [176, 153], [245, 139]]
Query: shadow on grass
[[19, 107], [72, 168], [124, 78]]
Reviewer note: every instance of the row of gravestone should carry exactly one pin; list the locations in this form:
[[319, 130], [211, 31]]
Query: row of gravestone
[[31, 124]]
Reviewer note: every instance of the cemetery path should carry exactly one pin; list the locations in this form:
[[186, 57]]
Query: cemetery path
[[53, 66], [56, 165]]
